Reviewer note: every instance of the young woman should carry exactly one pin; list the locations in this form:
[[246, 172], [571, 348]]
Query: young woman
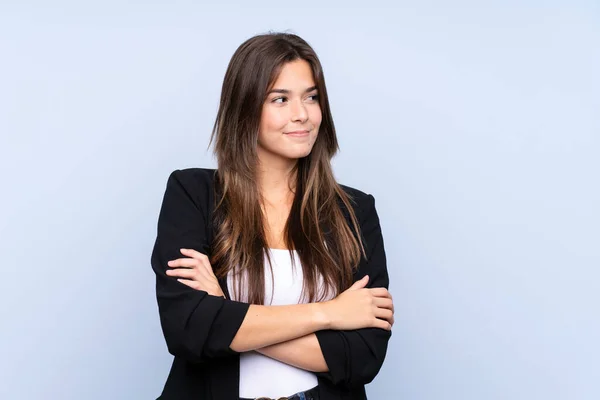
[[271, 277]]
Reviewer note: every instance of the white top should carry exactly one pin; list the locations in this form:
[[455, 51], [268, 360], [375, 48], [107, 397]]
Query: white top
[[259, 374]]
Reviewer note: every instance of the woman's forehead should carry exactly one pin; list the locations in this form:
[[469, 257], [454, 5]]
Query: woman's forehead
[[296, 76]]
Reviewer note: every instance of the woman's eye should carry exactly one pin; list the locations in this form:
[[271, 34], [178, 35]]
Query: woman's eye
[[314, 97]]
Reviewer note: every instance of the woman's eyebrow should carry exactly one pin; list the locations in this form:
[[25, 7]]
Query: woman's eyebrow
[[286, 91]]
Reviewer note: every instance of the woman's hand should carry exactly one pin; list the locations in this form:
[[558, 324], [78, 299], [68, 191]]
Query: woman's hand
[[359, 307], [195, 272]]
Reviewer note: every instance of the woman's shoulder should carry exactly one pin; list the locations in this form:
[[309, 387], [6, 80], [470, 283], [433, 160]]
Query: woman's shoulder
[[190, 184], [196, 174], [192, 180], [354, 192], [362, 202]]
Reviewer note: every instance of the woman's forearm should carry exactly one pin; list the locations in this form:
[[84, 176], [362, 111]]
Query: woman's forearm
[[303, 352], [268, 325]]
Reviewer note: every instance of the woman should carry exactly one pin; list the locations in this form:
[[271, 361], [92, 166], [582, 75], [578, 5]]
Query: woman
[[271, 277]]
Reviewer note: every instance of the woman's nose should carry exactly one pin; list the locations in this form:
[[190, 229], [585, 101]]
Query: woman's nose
[[299, 112]]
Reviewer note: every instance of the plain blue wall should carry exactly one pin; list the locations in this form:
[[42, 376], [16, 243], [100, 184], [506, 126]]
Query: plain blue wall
[[476, 127]]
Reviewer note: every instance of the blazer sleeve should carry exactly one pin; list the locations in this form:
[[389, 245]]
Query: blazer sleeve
[[196, 326], [354, 357]]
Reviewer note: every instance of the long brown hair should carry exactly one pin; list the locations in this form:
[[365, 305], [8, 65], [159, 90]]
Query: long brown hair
[[316, 227]]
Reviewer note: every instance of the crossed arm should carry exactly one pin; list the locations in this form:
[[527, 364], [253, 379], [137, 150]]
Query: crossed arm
[[196, 272], [303, 352], [199, 327]]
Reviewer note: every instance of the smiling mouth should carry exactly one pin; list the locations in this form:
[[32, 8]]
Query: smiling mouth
[[298, 133]]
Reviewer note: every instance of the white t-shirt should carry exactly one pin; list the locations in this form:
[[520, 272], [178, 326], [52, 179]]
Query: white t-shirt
[[259, 374]]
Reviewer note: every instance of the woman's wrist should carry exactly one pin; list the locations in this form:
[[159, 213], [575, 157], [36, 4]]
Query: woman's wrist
[[321, 315]]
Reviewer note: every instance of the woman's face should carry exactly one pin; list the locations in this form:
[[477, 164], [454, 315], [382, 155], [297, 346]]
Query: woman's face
[[291, 105]]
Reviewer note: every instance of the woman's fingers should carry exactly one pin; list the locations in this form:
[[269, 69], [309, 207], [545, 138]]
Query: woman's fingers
[[383, 324], [380, 292], [196, 259], [384, 302], [384, 313], [384, 309], [183, 262], [195, 272], [359, 284], [183, 273], [190, 263], [391, 321], [194, 254]]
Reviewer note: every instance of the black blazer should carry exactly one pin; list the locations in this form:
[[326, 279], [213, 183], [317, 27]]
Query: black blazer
[[199, 328]]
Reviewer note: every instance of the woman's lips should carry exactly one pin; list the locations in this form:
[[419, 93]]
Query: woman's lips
[[297, 133]]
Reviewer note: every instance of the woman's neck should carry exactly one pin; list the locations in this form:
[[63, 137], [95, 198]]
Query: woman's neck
[[276, 185]]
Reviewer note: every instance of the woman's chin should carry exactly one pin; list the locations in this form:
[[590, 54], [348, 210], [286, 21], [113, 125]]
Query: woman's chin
[[297, 154]]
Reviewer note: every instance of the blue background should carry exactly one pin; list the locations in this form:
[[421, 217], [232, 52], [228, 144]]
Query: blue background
[[474, 124]]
